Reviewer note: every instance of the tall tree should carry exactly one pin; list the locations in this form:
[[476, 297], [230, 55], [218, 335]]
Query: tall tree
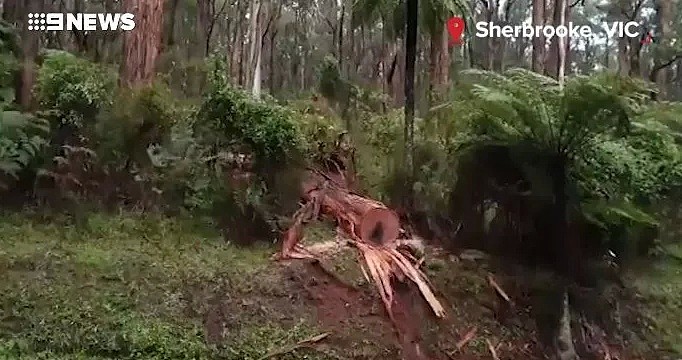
[[142, 45], [559, 44], [538, 56], [667, 49], [411, 23], [16, 13]]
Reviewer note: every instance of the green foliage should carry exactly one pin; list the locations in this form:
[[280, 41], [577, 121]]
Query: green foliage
[[22, 137], [72, 88], [319, 132], [136, 120], [332, 86], [133, 287], [640, 167], [522, 106], [231, 117], [184, 169], [620, 152]]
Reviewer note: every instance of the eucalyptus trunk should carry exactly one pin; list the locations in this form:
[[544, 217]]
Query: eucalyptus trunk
[[665, 13], [412, 8], [141, 46], [439, 67], [538, 59]]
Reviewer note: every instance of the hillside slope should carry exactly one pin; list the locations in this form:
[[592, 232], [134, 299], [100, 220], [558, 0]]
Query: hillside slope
[[133, 287]]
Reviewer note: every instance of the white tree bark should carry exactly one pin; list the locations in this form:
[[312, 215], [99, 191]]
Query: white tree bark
[[256, 90], [562, 46], [254, 39]]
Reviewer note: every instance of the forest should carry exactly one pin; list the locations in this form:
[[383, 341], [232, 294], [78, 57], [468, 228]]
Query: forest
[[299, 179]]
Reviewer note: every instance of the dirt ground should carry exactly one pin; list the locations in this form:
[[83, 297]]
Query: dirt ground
[[344, 304], [479, 325]]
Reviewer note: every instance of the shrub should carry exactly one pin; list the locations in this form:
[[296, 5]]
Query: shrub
[[21, 138], [72, 88], [136, 120], [231, 117]]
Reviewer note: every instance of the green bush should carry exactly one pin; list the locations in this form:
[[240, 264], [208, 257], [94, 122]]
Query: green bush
[[231, 117], [136, 120], [72, 88]]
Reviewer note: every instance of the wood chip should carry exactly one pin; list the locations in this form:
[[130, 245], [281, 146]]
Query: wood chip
[[493, 350], [301, 344], [470, 335], [498, 289]]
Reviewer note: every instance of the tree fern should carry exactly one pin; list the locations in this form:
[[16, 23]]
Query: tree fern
[[530, 106], [619, 149]]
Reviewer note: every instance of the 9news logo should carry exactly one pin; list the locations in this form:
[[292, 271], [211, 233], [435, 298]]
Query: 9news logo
[[81, 21]]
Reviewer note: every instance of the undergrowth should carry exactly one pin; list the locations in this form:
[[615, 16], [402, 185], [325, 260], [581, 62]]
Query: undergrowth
[[660, 287]]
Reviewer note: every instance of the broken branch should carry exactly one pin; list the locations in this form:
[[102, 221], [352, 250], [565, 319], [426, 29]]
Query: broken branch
[[303, 343]]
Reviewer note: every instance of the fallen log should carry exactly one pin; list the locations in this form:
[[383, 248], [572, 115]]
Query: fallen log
[[367, 219], [370, 226]]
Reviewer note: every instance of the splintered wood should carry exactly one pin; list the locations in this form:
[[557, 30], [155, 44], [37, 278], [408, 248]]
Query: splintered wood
[[370, 226]]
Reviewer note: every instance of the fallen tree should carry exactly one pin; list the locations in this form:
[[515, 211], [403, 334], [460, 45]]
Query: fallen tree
[[368, 225]]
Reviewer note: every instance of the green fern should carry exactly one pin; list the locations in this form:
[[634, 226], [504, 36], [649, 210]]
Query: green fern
[[22, 136], [522, 105], [606, 213], [619, 148]]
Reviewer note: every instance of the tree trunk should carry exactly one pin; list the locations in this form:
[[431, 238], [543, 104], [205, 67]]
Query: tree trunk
[[439, 66], [444, 62], [412, 8], [565, 250], [562, 43], [340, 37], [202, 24], [491, 17], [256, 90], [257, 71], [273, 35], [253, 40], [141, 46], [351, 65], [327, 195], [30, 45], [558, 18], [623, 57], [434, 64], [237, 45], [170, 32], [607, 53], [665, 13], [635, 51]]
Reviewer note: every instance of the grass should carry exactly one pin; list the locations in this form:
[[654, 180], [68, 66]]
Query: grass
[[130, 287], [661, 289]]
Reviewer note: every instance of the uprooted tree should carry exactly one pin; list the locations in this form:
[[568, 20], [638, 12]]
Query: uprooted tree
[[368, 225]]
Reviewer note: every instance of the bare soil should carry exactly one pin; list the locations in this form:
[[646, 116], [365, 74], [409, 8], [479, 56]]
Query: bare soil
[[339, 301]]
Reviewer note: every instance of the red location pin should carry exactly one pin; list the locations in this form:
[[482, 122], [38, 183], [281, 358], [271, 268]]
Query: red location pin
[[456, 29]]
